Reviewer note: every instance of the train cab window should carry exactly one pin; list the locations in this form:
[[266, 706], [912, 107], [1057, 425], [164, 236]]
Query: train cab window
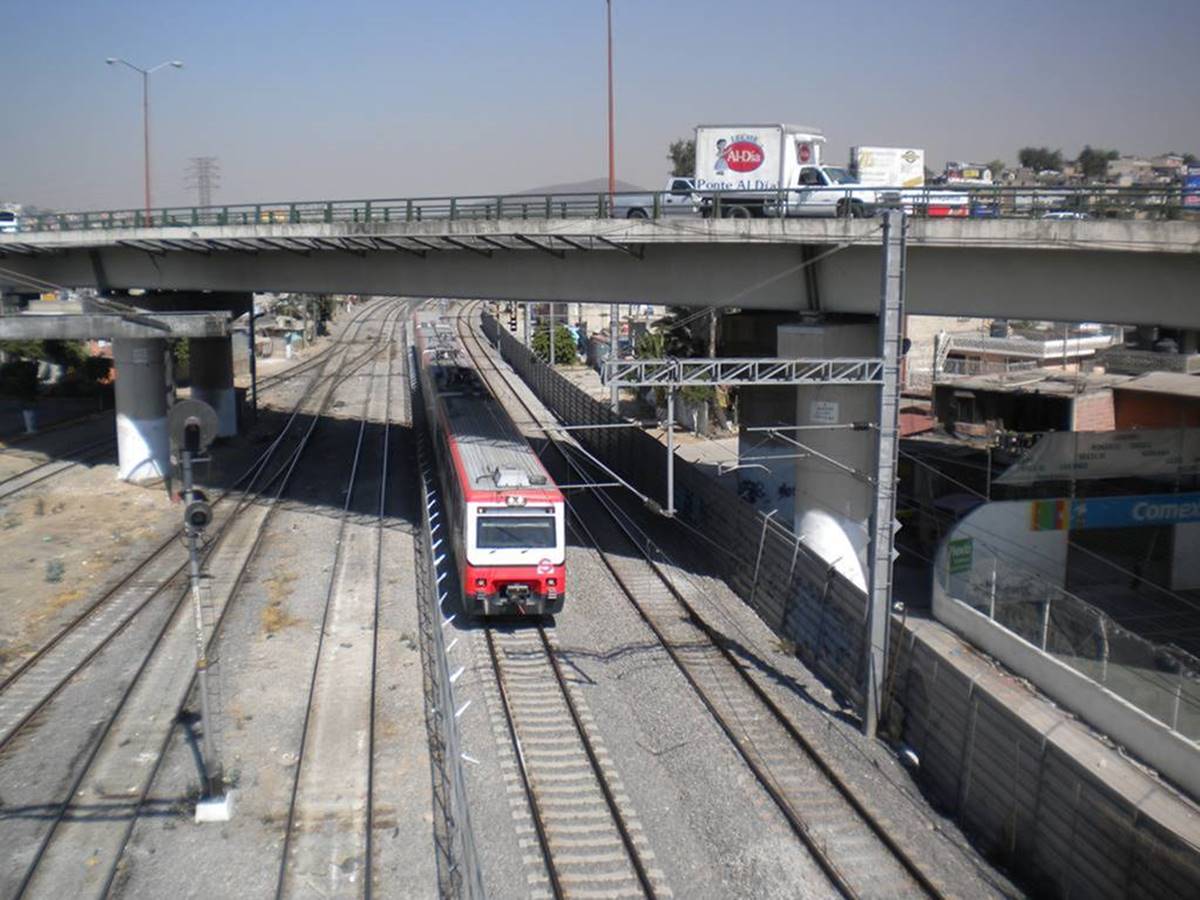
[[514, 532]]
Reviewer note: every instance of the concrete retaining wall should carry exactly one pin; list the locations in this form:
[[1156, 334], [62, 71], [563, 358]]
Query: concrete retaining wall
[[1034, 788], [1171, 753]]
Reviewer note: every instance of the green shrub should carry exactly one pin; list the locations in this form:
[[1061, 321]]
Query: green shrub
[[565, 351]]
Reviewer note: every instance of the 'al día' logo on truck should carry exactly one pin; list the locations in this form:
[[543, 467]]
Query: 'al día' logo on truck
[[742, 153]]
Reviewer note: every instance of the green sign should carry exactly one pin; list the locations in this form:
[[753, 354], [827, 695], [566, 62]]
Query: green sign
[[961, 551]]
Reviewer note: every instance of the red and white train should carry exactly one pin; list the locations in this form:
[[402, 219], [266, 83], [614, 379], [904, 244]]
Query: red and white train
[[505, 514]]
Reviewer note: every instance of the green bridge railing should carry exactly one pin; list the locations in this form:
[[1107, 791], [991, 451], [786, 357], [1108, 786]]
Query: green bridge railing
[[1167, 202]]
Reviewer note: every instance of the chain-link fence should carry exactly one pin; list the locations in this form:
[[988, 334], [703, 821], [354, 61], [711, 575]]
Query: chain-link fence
[[1161, 680]]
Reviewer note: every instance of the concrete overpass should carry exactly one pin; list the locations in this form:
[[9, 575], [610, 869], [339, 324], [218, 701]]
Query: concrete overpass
[[1134, 271]]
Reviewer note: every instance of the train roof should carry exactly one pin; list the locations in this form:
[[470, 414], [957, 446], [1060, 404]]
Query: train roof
[[491, 454]]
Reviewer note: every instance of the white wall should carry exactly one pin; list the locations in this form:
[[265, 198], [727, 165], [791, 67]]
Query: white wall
[[1002, 531]]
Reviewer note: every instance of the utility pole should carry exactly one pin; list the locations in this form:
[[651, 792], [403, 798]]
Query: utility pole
[[614, 392], [883, 515], [204, 174], [612, 170], [145, 73]]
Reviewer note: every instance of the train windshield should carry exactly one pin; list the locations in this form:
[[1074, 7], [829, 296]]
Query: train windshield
[[514, 532]]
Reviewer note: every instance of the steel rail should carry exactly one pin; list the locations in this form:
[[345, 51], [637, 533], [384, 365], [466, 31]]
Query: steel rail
[[535, 809], [100, 738], [339, 545], [593, 758], [385, 450], [585, 738], [252, 473], [802, 829], [87, 453]]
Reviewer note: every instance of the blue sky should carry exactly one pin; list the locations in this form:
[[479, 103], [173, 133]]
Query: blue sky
[[364, 98]]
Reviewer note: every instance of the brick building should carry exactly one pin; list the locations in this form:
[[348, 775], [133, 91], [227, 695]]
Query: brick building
[[1158, 400]]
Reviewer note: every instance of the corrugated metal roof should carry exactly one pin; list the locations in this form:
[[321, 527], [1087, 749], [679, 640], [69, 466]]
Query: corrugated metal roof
[[1174, 383]]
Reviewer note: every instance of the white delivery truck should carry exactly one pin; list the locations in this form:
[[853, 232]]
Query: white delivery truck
[[773, 170], [896, 167]]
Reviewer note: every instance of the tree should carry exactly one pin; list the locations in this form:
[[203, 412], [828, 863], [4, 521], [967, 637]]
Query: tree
[[682, 154], [1093, 162], [1040, 159], [565, 351], [1189, 159], [997, 166]]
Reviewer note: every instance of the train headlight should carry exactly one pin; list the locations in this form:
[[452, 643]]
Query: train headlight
[[553, 582], [514, 501], [480, 582]]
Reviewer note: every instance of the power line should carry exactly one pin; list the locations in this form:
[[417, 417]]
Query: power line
[[204, 174]]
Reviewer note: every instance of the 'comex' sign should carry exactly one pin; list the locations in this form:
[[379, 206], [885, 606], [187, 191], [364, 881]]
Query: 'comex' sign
[[1114, 512]]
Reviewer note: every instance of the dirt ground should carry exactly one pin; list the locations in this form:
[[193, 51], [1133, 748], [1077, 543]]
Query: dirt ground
[[64, 542]]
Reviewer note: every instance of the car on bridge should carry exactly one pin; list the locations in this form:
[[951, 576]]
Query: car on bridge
[[679, 199]]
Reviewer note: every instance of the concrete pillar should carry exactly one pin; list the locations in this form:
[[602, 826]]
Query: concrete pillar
[[832, 506], [143, 445], [211, 363]]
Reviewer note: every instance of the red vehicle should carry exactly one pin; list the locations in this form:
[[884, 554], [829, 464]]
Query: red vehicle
[[504, 513]]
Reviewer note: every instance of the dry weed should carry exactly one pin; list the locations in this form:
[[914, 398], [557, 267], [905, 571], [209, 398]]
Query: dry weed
[[279, 588]]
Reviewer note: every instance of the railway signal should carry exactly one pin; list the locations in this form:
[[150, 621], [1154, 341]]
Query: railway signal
[[192, 426]]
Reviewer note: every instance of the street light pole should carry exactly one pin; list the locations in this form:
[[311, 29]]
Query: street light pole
[[612, 177], [145, 73]]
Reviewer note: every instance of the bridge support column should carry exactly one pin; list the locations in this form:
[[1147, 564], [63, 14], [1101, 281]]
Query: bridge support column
[[211, 364], [143, 446], [835, 468]]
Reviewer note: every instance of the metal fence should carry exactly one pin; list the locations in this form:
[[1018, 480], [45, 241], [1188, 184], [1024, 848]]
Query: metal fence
[[799, 596], [459, 871], [1163, 202], [1161, 680]]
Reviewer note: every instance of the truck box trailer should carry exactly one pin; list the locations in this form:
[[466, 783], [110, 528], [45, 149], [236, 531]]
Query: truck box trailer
[[754, 157], [902, 167], [772, 170]]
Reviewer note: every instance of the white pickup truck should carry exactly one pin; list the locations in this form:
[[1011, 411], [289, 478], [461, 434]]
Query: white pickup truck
[[678, 199]]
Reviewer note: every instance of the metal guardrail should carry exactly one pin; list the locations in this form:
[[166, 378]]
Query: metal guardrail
[[1167, 202]]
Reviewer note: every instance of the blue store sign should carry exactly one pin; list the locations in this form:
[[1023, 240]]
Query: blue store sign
[[1143, 510]]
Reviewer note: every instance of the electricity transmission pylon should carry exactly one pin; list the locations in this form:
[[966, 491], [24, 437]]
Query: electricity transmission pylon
[[204, 174]]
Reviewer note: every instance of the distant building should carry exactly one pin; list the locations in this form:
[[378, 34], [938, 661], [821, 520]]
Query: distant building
[[984, 406], [1158, 400], [1168, 165], [1128, 171]]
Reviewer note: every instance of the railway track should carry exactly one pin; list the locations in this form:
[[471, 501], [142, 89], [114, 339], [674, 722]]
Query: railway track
[[26, 690], [328, 835], [589, 841], [587, 838], [78, 854], [86, 453], [860, 853], [42, 471]]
